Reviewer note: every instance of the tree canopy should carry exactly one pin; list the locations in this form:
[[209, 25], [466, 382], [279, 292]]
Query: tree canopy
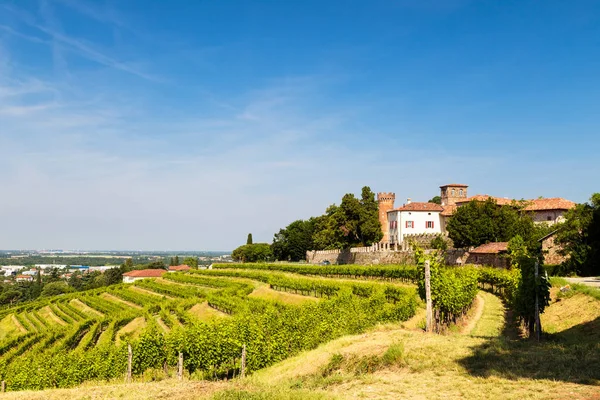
[[192, 262], [476, 223], [256, 252], [579, 237], [355, 222], [292, 242], [249, 239], [436, 200]]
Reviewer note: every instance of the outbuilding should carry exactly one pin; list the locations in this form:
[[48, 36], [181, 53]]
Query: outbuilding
[[179, 268], [136, 275], [493, 254]]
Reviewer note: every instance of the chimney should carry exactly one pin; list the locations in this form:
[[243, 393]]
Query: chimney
[[408, 201]]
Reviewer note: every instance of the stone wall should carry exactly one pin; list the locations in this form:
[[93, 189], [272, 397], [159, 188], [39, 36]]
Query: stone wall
[[494, 260], [551, 252], [369, 255], [423, 240]]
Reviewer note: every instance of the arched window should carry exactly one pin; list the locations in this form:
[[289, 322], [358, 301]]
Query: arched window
[[453, 192], [460, 193]]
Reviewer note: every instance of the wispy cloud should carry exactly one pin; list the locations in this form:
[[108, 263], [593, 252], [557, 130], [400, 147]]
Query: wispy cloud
[[69, 43]]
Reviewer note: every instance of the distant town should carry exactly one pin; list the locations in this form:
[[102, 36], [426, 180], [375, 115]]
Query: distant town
[[24, 265]]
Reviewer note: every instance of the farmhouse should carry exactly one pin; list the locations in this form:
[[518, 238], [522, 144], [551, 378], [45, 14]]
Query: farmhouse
[[132, 276], [176, 268]]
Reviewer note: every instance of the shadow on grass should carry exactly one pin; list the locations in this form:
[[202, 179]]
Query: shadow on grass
[[572, 355]]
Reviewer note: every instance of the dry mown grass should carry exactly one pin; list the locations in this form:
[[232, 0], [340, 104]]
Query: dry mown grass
[[204, 312], [264, 292], [132, 329]]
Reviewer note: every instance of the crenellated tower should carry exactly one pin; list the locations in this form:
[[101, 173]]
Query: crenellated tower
[[386, 203]]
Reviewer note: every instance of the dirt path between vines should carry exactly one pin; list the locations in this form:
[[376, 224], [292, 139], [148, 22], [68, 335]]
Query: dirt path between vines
[[115, 299], [476, 314], [150, 292]]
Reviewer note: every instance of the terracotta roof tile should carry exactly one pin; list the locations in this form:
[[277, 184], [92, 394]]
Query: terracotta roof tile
[[501, 201], [448, 210], [555, 203], [145, 273], [490, 248], [414, 206], [181, 267]]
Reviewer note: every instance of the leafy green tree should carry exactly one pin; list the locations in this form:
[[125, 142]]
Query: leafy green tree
[[55, 288], [75, 281], [192, 262], [328, 234], [153, 265], [476, 223], [113, 276], [249, 239], [36, 288], [10, 296], [579, 237], [291, 243], [436, 200], [355, 222], [257, 252]]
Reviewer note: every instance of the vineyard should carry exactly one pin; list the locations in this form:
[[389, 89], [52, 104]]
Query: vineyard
[[210, 315]]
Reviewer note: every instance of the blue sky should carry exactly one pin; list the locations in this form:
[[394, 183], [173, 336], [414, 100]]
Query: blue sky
[[187, 124]]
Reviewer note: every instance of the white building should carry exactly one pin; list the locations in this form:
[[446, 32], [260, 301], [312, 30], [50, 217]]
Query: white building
[[8, 270], [50, 266], [414, 218]]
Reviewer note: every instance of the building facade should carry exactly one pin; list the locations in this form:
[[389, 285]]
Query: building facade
[[413, 219]]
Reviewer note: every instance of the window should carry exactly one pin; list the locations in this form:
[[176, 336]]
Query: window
[[410, 224], [460, 193], [453, 193], [429, 225], [549, 218]]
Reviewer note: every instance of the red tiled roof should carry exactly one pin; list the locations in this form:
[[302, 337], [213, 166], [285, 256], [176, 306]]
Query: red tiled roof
[[448, 210], [501, 201], [490, 248], [419, 207], [455, 185], [145, 273], [555, 203], [25, 277], [181, 267]]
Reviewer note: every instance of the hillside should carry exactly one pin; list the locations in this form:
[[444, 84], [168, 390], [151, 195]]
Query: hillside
[[482, 358]]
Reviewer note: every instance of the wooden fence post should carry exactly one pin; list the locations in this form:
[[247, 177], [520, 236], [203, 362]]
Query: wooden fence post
[[3, 386], [180, 366], [243, 373], [429, 310], [129, 362]]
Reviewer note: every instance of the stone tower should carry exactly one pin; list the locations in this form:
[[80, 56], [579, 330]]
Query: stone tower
[[386, 203], [452, 193]]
